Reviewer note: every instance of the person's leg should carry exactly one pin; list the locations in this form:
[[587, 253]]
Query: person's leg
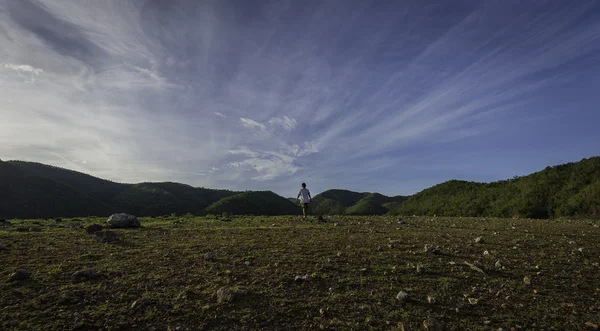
[[304, 208]]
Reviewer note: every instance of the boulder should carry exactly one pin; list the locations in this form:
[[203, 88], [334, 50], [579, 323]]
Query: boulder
[[94, 228], [105, 236], [122, 220]]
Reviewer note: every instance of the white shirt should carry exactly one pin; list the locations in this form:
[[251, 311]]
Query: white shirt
[[304, 192]]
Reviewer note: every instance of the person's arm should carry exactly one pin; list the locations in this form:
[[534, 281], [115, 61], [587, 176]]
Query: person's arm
[[309, 197], [298, 197]]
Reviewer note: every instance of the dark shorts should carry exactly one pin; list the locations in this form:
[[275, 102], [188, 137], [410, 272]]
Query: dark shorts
[[305, 205]]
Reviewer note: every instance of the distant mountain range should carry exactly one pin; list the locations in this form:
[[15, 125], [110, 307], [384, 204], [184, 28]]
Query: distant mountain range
[[34, 190]]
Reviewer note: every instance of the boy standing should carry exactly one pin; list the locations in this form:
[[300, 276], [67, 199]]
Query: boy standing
[[305, 194]]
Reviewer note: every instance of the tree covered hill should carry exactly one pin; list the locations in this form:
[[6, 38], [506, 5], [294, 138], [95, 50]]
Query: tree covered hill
[[340, 202], [34, 190], [571, 189]]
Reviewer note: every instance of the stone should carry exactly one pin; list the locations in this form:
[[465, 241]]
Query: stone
[[428, 248], [122, 220], [298, 278], [209, 256], [20, 274], [527, 280], [431, 324], [94, 228], [478, 240], [105, 236], [83, 275], [224, 294], [141, 303], [430, 300], [475, 267], [402, 296]]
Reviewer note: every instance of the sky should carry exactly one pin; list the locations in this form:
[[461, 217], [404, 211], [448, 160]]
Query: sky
[[378, 96]]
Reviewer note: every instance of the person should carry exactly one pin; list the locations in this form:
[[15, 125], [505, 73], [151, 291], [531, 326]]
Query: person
[[306, 199]]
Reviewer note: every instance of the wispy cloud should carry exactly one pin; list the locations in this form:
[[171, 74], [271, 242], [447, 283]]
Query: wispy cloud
[[197, 92]]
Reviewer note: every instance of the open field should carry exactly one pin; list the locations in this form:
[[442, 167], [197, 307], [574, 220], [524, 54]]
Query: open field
[[524, 274]]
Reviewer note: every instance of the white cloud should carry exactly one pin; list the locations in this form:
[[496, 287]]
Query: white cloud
[[216, 113], [287, 123], [252, 124], [23, 68]]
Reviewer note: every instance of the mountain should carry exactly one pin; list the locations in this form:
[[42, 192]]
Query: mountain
[[339, 202], [254, 203], [571, 189], [34, 190]]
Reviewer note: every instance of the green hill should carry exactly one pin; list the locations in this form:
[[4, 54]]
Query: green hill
[[340, 202], [254, 203], [571, 189]]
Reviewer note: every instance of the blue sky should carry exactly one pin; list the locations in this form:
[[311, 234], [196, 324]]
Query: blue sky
[[387, 96]]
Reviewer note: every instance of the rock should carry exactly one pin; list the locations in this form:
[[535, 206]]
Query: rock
[[428, 248], [402, 296], [592, 325], [527, 280], [298, 278], [141, 303], [94, 228], [83, 275], [431, 324], [224, 294], [20, 274], [475, 267], [241, 292], [209, 256], [105, 236], [486, 253], [478, 240], [122, 220], [430, 300]]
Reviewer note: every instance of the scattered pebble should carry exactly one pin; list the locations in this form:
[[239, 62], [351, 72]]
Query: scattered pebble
[[224, 294], [298, 278], [402, 296], [82, 275], [430, 300], [527, 280], [478, 240], [431, 324]]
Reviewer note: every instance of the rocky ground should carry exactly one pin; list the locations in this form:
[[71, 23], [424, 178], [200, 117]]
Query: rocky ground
[[355, 273]]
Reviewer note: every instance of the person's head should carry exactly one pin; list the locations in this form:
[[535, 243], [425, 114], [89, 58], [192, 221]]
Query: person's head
[[303, 185]]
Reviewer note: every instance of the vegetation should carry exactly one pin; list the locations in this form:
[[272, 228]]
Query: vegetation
[[571, 189], [344, 202], [254, 203], [156, 277], [33, 190]]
